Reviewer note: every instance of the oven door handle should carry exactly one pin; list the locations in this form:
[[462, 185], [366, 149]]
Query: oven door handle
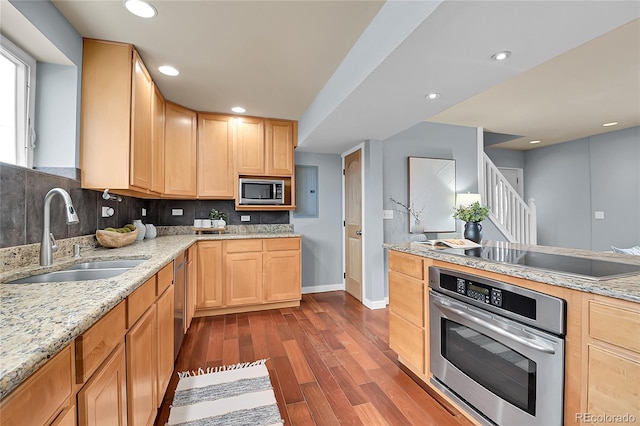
[[501, 331]]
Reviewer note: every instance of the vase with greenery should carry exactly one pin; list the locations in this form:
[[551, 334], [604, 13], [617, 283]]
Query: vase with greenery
[[218, 218], [472, 215]]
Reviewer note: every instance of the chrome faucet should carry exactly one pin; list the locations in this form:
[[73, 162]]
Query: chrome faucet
[[48, 244]]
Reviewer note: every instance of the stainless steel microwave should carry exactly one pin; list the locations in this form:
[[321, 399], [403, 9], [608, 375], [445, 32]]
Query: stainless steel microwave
[[261, 191]]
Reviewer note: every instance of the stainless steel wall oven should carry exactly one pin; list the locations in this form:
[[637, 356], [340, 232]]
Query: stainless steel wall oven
[[497, 349]]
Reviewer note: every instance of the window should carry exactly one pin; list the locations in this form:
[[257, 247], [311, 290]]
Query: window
[[17, 104]]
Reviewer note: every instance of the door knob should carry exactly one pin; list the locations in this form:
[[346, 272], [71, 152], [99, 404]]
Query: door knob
[[359, 232]]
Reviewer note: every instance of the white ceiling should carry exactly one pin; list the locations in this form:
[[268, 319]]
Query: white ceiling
[[357, 70]]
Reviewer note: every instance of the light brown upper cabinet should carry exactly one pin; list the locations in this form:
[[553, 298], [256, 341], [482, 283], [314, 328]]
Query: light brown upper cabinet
[[180, 151], [279, 147], [264, 147], [157, 140], [216, 137], [250, 146], [115, 130]]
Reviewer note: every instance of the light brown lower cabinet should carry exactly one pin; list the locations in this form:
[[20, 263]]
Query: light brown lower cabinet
[[164, 333], [246, 275], [103, 399], [141, 370], [66, 418], [42, 396]]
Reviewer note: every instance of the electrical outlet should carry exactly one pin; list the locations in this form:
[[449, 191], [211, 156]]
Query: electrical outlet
[[387, 214], [176, 212], [144, 212], [245, 218], [599, 215], [107, 211]]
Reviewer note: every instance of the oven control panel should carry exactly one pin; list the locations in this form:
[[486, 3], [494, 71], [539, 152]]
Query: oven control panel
[[480, 292]]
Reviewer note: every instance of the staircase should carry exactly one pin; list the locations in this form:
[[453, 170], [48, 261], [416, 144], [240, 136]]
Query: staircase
[[514, 217]]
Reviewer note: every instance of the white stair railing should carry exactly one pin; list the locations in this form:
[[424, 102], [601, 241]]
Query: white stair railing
[[514, 217]]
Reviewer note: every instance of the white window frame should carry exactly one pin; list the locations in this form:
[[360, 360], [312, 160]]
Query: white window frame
[[25, 100]]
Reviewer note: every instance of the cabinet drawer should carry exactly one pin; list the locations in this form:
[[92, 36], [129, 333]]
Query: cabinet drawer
[[613, 384], [407, 340], [406, 298], [66, 418], [243, 246], [139, 301], [40, 397], [165, 278], [277, 244], [616, 325], [95, 344], [407, 264]]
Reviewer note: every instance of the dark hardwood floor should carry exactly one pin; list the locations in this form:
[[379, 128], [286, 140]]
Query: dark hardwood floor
[[329, 363]]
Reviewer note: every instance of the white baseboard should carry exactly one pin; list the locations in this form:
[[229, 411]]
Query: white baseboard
[[376, 304], [322, 288]]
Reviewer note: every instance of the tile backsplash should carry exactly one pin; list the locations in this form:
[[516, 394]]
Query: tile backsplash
[[22, 194]]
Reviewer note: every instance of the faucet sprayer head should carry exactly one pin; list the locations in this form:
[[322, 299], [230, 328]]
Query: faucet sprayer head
[[72, 217]]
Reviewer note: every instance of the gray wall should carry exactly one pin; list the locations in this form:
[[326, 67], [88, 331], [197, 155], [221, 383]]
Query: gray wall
[[56, 97], [375, 289], [425, 140], [322, 236], [572, 180], [54, 26], [506, 157]]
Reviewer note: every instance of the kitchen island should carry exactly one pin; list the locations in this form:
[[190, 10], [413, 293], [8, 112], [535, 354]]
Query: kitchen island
[[601, 320], [38, 321]]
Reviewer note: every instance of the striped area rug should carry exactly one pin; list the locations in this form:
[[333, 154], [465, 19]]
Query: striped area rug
[[239, 394]]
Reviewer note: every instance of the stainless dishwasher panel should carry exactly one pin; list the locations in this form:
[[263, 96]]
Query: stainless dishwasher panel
[[179, 317]]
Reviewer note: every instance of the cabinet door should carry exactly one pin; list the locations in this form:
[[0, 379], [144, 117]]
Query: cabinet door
[[250, 146], [164, 334], [192, 279], [141, 370], [282, 275], [157, 141], [209, 267], [243, 278], [140, 174], [179, 150], [103, 400], [215, 156], [279, 147]]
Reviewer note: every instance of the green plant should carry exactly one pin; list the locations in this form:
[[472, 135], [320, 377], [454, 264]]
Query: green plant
[[471, 213], [217, 215]]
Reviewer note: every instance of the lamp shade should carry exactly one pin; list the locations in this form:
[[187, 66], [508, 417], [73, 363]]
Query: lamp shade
[[467, 199]]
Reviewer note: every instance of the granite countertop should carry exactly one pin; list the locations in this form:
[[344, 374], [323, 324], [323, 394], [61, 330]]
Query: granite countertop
[[39, 320], [625, 288]]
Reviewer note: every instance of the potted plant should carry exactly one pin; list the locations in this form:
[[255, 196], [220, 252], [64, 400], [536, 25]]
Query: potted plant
[[218, 218], [472, 215]]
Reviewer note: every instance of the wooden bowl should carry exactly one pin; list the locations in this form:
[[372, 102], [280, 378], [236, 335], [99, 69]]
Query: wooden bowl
[[112, 239]]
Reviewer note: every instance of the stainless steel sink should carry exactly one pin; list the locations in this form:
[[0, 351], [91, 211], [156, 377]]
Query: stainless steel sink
[[84, 272], [107, 264]]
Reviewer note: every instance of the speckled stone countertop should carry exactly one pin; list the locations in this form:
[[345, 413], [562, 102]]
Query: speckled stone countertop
[[625, 288], [39, 320]]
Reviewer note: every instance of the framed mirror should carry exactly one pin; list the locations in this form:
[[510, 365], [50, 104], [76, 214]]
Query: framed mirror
[[432, 189]]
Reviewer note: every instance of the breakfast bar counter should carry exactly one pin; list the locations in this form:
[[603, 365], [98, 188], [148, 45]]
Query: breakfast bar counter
[[622, 287]]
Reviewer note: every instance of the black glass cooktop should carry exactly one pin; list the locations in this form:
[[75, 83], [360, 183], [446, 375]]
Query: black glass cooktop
[[587, 268]]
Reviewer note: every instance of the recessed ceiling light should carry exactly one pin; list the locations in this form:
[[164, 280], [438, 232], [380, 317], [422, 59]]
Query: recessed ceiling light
[[168, 70], [432, 96], [140, 8], [238, 109], [501, 56], [613, 123], [534, 142]]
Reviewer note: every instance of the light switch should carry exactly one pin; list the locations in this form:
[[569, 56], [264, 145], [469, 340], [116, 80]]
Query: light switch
[[245, 218], [599, 215], [144, 212], [387, 214], [176, 212]]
